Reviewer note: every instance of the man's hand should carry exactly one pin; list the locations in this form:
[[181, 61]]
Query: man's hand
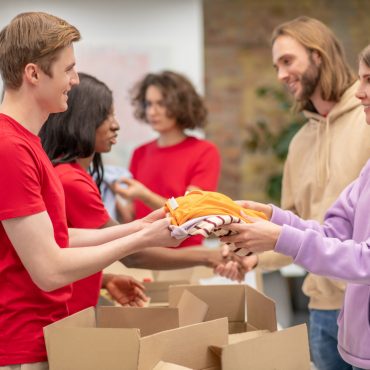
[[233, 266], [249, 262], [125, 290]]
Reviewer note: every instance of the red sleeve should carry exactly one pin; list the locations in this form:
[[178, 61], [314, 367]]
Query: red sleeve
[[84, 206], [206, 171], [20, 180]]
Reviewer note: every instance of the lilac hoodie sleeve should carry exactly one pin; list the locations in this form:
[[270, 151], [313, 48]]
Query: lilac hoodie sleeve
[[329, 249]]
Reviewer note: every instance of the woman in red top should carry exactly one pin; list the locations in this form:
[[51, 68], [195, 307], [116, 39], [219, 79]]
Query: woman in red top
[[73, 141], [175, 162]]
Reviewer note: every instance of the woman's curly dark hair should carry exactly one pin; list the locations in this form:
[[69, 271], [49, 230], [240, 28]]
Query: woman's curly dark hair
[[181, 100]]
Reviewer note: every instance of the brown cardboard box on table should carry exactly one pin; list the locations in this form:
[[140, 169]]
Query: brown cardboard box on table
[[254, 342], [89, 341], [118, 338]]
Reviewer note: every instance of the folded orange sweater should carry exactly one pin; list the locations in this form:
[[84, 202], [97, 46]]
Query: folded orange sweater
[[198, 203]]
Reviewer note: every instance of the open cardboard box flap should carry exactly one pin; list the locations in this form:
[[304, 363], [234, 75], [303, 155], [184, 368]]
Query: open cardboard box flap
[[157, 291], [245, 307], [148, 320], [281, 350]]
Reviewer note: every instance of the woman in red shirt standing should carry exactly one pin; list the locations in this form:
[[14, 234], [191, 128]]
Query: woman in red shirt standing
[[73, 140], [175, 162]]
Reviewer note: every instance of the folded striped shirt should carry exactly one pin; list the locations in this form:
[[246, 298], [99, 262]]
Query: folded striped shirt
[[207, 226]]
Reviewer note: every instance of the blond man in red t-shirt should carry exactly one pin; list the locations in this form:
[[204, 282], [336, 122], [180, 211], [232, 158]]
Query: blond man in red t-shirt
[[39, 255]]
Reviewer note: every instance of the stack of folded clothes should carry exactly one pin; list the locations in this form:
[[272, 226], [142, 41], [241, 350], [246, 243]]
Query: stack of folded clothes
[[205, 213]]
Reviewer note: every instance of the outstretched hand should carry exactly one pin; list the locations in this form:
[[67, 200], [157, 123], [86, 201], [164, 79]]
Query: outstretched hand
[[233, 266], [125, 290], [256, 237]]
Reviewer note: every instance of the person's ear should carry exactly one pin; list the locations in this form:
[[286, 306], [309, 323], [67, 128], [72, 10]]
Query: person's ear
[[32, 73]]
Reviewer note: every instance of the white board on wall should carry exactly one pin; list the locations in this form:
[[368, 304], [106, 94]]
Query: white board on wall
[[122, 40]]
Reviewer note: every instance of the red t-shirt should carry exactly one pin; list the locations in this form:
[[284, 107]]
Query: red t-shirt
[[28, 185], [85, 210], [169, 171]]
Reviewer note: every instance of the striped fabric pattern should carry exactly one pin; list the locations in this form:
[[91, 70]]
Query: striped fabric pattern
[[208, 226]]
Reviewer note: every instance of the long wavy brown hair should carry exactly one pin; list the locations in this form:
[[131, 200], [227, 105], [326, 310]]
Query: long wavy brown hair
[[335, 73]]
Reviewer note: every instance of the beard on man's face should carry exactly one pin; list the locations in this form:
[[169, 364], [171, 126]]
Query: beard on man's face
[[309, 80]]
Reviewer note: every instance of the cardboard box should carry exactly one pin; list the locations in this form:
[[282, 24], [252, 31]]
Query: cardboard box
[[281, 350], [246, 308], [260, 350], [121, 338], [255, 344], [84, 341], [150, 320]]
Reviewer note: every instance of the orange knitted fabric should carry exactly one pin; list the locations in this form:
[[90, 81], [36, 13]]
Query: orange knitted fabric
[[199, 203]]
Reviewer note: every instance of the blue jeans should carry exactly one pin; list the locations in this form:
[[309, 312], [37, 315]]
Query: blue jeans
[[323, 340]]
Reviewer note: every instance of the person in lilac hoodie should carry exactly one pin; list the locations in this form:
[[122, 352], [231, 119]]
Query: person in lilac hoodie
[[339, 248]]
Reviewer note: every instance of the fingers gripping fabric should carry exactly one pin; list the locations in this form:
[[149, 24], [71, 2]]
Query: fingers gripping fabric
[[205, 213]]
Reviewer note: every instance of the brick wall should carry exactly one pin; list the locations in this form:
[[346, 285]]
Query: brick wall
[[238, 61]]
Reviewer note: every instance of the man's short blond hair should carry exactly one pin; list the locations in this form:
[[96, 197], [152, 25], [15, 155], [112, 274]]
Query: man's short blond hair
[[32, 37]]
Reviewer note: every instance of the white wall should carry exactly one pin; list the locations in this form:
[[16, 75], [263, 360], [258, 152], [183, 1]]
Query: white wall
[[122, 40]]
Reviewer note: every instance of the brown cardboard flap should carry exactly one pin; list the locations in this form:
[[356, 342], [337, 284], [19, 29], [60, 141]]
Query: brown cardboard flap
[[93, 348], [168, 366], [158, 290], [191, 309], [222, 300], [82, 319], [249, 327], [281, 350], [236, 338], [261, 312], [186, 346], [237, 327], [149, 320], [216, 350]]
